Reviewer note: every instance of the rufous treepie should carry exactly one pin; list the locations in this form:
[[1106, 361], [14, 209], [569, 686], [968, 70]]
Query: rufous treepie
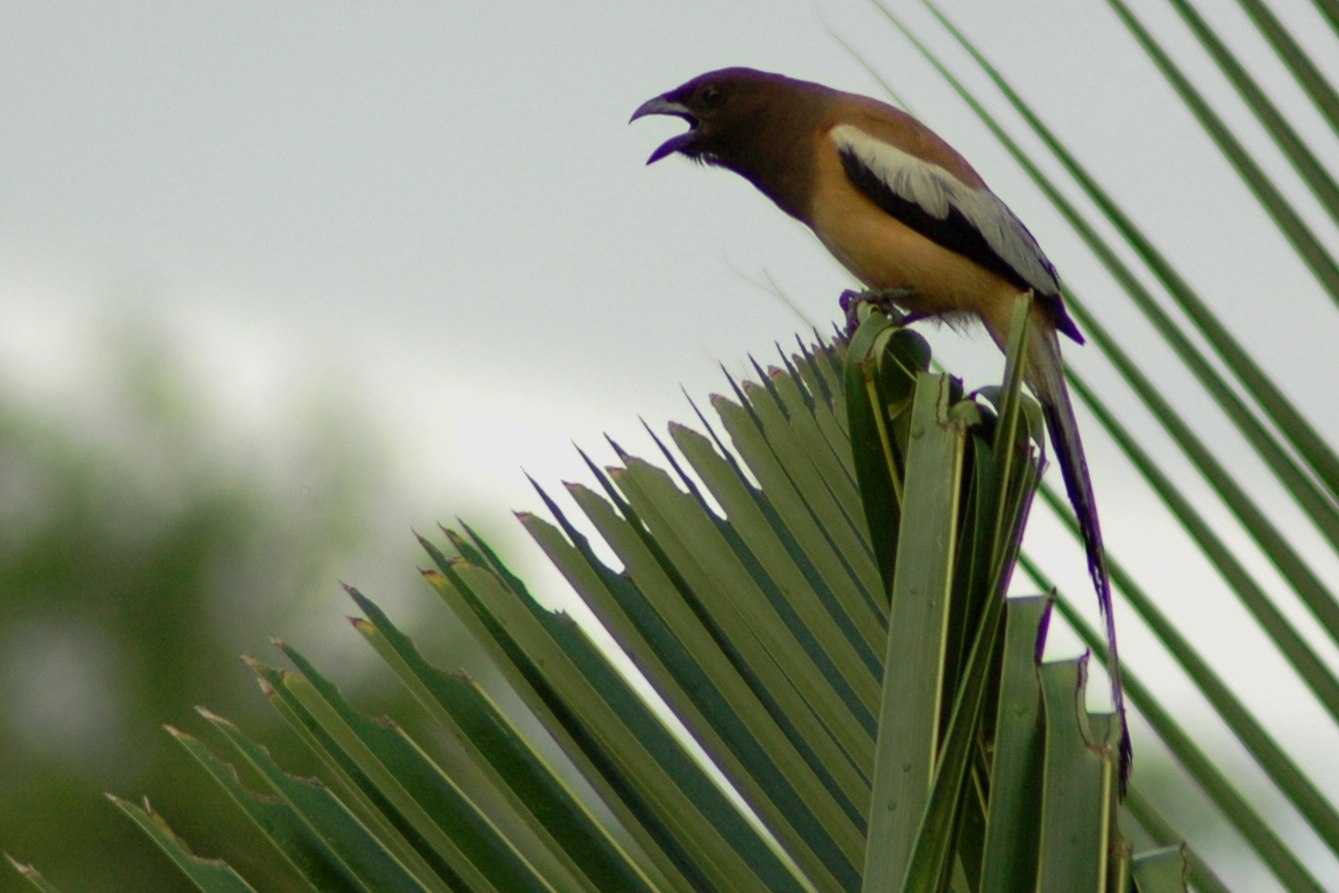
[[910, 218]]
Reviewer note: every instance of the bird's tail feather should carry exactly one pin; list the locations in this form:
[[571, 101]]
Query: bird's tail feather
[[1045, 373]]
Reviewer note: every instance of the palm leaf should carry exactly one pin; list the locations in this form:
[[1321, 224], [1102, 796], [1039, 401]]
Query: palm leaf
[[1282, 435], [786, 743]]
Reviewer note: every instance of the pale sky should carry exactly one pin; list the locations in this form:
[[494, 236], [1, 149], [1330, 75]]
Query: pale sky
[[439, 208]]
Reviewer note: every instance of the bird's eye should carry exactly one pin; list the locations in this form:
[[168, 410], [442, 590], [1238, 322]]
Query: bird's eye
[[711, 97]]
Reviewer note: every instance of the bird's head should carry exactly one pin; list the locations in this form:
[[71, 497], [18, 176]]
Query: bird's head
[[723, 109]]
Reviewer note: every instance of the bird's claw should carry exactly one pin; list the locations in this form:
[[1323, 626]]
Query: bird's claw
[[886, 301]]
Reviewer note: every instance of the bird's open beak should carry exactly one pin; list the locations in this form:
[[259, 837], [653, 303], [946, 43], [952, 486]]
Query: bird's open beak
[[662, 106]]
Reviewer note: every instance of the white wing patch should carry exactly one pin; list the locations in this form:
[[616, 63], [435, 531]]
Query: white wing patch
[[937, 192]]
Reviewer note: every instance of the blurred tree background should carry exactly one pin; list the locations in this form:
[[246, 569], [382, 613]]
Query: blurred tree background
[[146, 543]]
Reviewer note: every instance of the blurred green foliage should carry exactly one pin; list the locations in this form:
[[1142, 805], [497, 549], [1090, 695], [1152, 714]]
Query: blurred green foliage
[[144, 545]]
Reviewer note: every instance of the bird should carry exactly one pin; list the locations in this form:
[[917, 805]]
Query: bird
[[909, 217]]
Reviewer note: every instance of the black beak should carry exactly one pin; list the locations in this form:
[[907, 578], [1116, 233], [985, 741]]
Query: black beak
[[664, 106]]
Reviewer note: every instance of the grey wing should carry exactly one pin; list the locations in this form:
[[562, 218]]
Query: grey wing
[[929, 199]]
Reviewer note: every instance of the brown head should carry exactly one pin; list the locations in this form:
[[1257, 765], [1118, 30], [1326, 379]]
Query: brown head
[[758, 124]]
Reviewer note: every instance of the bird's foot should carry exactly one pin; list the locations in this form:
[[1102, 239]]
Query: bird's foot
[[885, 300]]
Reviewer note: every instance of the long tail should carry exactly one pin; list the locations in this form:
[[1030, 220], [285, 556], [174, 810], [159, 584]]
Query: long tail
[[1046, 375]]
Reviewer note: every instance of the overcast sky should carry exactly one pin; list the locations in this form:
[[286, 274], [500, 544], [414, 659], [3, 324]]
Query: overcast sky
[[438, 210]]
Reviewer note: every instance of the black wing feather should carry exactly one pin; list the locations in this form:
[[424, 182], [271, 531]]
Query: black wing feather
[[954, 232]]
